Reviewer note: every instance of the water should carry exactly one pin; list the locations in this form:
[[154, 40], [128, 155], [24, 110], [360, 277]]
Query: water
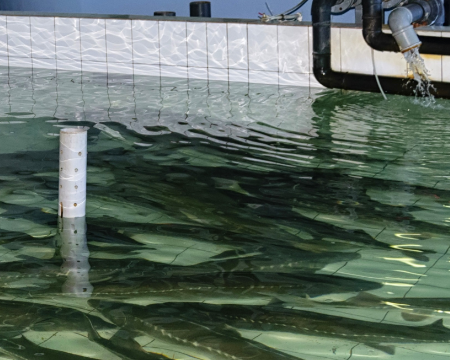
[[224, 221], [416, 65]]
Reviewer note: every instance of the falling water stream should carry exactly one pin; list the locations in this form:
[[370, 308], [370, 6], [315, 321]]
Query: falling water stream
[[421, 74]]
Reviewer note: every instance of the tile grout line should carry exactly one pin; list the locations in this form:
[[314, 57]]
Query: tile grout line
[[31, 50], [159, 48], [7, 55], [7, 42], [207, 54], [228, 55], [132, 57], [187, 53], [248, 56], [310, 58], [54, 36], [81, 50], [106, 58]]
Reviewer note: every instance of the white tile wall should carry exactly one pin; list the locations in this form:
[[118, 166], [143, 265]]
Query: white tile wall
[[335, 49], [93, 40], [263, 54], [263, 47], [355, 53], [3, 37], [173, 43], [197, 47], [446, 63], [119, 42], [43, 37], [19, 40], [390, 63], [217, 45], [145, 41], [68, 42], [237, 46], [293, 48], [238, 75]]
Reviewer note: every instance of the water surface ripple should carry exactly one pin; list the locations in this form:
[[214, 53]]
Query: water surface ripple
[[224, 221]]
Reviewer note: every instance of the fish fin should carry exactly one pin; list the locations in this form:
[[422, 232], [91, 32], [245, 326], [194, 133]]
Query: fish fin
[[413, 317], [275, 302], [438, 324], [93, 335], [388, 349], [365, 297]]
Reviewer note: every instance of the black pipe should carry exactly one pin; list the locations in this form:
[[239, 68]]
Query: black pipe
[[378, 40], [321, 17], [164, 13], [447, 12], [200, 9]]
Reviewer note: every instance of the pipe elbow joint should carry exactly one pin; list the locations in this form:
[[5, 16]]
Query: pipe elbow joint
[[400, 22]]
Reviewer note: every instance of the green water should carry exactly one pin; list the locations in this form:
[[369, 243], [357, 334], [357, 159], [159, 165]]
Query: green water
[[224, 221]]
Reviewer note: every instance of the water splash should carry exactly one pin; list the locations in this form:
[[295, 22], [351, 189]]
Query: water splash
[[421, 74]]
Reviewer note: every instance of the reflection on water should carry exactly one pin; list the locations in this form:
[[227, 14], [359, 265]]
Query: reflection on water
[[75, 256], [224, 221]]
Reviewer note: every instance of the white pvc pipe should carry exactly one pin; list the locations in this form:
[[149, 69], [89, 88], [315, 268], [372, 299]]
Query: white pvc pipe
[[75, 255], [72, 172]]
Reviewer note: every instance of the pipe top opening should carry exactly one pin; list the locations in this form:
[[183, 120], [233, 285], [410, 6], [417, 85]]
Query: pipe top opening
[[73, 130]]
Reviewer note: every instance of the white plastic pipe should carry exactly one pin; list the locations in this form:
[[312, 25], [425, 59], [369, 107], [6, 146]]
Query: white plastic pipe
[[75, 255], [72, 172]]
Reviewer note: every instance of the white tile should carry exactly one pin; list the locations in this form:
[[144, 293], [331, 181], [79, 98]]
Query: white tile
[[355, 53], [20, 62], [44, 63], [3, 37], [198, 73], [294, 79], [19, 41], [263, 47], [428, 33], [217, 74], [94, 66], [313, 83], [237, 46], [43, 37], [263, 77], [433, 63], [196, 41], [310, 47], [120, 68], [174, 71], [93, 40], [446, 68], [336, 49], [148, 70], [118, 41], [217, 45], [293, 49], [67, 34], [390, 64], [238, 75], [145, 41], [4, 61], [64, 64], [173, 43]]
